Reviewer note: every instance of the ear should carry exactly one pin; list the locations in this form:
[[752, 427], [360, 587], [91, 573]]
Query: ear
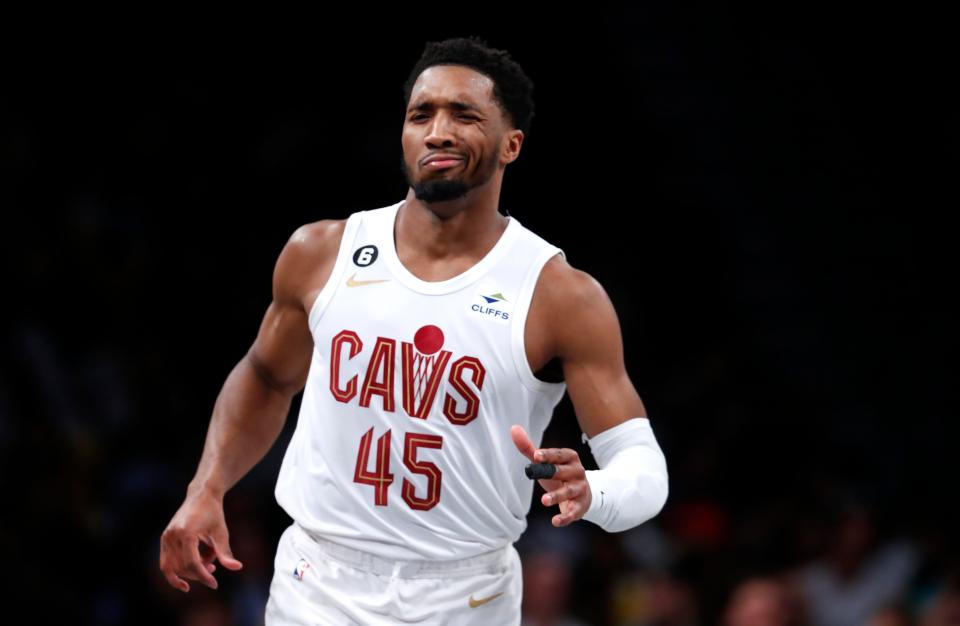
[[510, 146]]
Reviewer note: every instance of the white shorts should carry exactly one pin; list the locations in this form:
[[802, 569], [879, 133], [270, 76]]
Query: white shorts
[[318, 583]]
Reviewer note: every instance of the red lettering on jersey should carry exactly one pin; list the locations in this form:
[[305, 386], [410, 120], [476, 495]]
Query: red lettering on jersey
[[430, 470], [421, 377], [381, 478], [457, 370], [423, 367], [344, 337], [382, 358]]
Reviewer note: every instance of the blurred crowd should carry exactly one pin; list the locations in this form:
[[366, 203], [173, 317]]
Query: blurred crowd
[[103, 484]]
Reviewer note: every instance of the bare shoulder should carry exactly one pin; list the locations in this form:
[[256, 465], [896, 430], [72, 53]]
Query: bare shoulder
[[585, 305], [306, 261], [316, 238], [560, 284]]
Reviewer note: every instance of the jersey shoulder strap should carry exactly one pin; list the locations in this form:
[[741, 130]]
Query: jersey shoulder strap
[[336, 276]]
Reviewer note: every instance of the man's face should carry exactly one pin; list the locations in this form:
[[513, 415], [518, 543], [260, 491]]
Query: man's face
[[451, 112]]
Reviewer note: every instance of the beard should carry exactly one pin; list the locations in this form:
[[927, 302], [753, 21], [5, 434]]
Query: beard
[[440, 189], [434, 189]]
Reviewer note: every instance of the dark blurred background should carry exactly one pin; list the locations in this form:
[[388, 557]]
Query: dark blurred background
[[763, 194]]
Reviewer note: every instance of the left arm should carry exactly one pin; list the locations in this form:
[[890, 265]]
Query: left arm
[[590, 344], [588, 340]]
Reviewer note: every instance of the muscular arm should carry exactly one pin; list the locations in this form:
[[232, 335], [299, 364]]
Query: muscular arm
[[590, 345], [252, 407], [588, 342]]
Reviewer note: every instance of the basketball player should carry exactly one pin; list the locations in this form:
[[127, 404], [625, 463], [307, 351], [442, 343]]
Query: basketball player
[[432, 339]]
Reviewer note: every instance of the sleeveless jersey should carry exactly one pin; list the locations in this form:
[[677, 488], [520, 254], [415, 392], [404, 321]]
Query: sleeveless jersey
[[402, 446]]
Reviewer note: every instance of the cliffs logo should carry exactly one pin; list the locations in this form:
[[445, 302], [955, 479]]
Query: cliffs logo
[[492, 306]]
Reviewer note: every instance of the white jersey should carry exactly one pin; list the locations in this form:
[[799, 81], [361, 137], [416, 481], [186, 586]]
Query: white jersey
[[402, 447]]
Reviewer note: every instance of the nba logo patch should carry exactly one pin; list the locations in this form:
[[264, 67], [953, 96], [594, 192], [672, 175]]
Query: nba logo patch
[[492, 305], [301, 569]]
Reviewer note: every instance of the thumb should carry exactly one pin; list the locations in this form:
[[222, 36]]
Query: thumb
[[221, 546], [522, 441]]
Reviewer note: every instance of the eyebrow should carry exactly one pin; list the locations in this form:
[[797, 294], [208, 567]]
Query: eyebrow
[[455, 104]]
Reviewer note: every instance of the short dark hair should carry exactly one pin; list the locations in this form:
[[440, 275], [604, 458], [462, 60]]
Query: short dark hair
[[512, 88]]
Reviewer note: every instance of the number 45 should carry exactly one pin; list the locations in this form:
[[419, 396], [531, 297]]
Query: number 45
[[381, 478]]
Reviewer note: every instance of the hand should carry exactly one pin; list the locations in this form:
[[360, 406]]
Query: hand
[[198, 524], [568, 487]]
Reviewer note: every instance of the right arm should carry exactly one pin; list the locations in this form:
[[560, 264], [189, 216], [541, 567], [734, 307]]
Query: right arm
[[251, 409]]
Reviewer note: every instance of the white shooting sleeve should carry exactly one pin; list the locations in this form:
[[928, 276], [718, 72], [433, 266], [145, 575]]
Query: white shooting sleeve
[[631, 485]]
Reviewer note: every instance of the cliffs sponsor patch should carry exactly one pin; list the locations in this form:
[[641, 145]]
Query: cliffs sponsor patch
[[491, 305]]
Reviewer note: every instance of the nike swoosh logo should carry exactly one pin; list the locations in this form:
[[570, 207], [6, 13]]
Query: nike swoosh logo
[[474, 603], [359, 283]]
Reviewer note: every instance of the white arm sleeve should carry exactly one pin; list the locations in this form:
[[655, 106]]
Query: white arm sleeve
[[631, 485]]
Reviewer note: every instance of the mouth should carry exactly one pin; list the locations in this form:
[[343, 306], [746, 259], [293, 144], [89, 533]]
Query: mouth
[[441, 164]]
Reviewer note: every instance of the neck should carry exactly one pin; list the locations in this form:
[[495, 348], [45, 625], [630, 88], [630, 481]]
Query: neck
[[440, 230]]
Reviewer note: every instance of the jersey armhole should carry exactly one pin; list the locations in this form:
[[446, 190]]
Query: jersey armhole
[[343, 255], [520, 321]]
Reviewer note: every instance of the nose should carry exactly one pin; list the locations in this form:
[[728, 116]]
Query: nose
[[440, 132]]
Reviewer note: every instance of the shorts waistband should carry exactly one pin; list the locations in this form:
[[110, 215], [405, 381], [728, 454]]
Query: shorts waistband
[[404, 568]]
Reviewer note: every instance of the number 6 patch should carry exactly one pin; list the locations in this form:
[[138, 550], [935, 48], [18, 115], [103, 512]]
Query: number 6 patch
[[365, 255]]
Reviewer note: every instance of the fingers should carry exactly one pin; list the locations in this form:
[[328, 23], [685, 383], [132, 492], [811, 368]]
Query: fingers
[[522, 441], [567, 472], [176, 582], [194, 539], [199, 571], [180, 559], [568, 487], [568, 491], [574, 510], [176, 576], [167, 553], [543, 455], [567, 462], [555, 455], [540, 470], [221, 548]]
